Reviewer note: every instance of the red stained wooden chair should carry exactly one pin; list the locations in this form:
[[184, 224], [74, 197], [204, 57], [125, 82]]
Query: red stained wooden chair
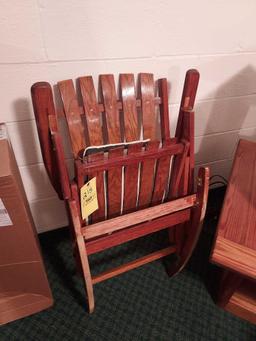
[[164, 196]]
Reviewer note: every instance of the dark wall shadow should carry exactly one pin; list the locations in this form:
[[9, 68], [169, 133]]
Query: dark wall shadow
[[235, 110]]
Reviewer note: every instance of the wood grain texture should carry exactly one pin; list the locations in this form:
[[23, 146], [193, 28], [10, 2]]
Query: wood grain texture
[[95, 137], [147, 177], [164, 108], [109, 96], [82, 254], [188, 98], [131, 174], [238, 217], [149, 116], [189, 135], [186, 181], [196, 222], [114, 183], [163, 164], [100, 106], [131, 133], [138, 217], [179, 171], [137, 231], [125, 160], [91, 110], [161, 177], [99, 214], [72, 113], [235, 246], [243, 302], [131, 125], [149, 119], [43, 105], [114, 176], [133, 265], [234, 256], [60, 158]]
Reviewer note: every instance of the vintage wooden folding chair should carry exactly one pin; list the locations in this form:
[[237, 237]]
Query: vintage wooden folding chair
[[142, 187]]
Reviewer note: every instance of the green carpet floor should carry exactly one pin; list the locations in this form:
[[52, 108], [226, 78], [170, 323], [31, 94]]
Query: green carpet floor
[[143, 304]]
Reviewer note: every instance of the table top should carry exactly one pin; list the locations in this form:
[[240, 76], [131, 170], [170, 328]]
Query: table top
[[235, 244]]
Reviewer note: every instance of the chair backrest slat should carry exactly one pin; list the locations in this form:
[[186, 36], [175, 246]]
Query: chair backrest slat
[[164, 110], [95, 137], [161, 179], [91, 110], [149, 117], [114, 176], [147, 177], [72, 113], [131, 132], [149, 120], [99, 214], [163, 164], [131, 126], [110, 107]]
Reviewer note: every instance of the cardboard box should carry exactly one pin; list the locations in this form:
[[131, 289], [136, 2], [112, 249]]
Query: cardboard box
[[24, 287]]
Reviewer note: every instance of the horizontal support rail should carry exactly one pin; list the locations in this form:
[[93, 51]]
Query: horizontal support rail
[[137, 231], [157, 101], [130, 219], [133, 265], [124, 160]]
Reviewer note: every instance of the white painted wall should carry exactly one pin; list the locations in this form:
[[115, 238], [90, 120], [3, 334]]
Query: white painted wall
[[55, 40]]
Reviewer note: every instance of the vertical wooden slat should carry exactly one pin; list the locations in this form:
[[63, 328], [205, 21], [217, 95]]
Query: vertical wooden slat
[[163, 164], [131, 132], [188, 97], [161, 178], [185, 124], [195, 226], [179, 175], [61, 167], [95, 138], [72, 112], [92, 113], [114, 176], [42, 98], [188, 172], [111, 111], [149, 115], [149, 119], [185, 130], [164, 110], [189, 135], [83, 258], [98, 215], [127, 85]]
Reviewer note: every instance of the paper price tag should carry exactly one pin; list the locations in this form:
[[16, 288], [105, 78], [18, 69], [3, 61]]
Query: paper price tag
[[89, 199]]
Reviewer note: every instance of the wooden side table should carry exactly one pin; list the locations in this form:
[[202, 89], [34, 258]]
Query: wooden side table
[[235, 244]]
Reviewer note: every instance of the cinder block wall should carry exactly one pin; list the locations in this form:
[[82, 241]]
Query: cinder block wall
[[55, 40]]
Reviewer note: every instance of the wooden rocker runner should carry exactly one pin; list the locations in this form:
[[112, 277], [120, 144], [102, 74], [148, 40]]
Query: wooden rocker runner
[[142, 187]]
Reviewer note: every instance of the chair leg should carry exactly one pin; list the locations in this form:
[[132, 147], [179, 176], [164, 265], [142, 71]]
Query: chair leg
[[82, 255], [195, 226]]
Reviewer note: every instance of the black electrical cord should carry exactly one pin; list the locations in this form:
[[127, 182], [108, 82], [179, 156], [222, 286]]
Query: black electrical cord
[[221, 177], [218, 183]]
